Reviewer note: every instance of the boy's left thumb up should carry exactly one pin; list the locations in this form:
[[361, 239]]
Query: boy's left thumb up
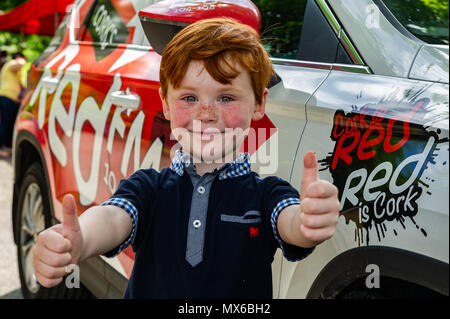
[[310, 173]]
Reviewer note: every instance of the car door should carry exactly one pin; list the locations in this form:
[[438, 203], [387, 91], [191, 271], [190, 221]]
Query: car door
[[107, 31], [381, 137], [121, 80], [81, 100], [302, 60], [68, 114]]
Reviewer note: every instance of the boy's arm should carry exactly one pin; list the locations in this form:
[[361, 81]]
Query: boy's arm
[[104, 228], [17, 64], [98, 230], [315, 219]]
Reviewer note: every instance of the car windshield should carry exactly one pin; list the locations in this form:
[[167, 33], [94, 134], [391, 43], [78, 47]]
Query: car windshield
[[426, 19]]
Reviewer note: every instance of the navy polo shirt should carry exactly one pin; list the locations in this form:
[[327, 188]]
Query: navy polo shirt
[[212, 236]]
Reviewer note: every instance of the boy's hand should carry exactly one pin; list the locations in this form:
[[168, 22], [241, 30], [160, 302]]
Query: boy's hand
[[319, 204], [58, 246]]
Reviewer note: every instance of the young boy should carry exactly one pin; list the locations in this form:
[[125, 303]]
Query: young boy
[[203, 228]]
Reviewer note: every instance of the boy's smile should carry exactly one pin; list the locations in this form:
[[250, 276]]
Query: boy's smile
[[209, 119]]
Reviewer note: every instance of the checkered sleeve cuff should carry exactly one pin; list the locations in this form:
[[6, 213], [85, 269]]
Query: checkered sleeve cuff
[[130, 210], [301, 252]]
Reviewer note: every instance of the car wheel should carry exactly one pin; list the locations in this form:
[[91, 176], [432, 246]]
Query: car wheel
[[390, 288], [34, 216]]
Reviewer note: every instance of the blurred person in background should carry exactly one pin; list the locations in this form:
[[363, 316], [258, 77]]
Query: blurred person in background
[[11, 90], [3, 58]]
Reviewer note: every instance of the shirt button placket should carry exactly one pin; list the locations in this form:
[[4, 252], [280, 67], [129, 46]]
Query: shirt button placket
[[197, 219], [197, 223]]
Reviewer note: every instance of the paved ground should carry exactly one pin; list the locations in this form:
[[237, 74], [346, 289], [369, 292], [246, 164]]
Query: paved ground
[[9, 275]]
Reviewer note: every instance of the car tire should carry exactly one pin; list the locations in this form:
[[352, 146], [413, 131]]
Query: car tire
[[390, 288], [33, 216]]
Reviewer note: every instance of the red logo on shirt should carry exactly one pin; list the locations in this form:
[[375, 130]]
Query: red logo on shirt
[[254, 231]]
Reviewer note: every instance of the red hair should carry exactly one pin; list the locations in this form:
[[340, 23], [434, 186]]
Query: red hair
[[217, 42]]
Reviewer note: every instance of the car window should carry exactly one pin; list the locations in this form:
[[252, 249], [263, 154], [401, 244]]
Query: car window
[[139, 37], [55, 42], [425, 19], [145, 42], [281, 26], [297, 29], [104, 25]]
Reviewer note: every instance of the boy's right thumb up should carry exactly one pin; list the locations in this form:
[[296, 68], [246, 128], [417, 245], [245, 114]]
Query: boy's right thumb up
[[70, 216], [71, 229]]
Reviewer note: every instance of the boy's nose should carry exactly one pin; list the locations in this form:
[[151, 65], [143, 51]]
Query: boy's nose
[[207, 112]]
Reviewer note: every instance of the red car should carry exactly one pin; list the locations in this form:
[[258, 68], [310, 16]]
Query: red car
[[92, 116], [355, 85]]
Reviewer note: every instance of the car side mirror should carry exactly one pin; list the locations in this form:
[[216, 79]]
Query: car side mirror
[[162, 20]]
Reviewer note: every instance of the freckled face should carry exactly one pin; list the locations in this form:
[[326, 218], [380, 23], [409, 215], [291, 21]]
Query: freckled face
[[202, 110]]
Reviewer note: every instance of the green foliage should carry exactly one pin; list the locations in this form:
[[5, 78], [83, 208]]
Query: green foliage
[[10, 4], [426, 19], [31, 45], [282, 23]]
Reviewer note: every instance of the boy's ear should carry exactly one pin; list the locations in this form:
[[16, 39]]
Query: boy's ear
[[260, 108], [165, 105]]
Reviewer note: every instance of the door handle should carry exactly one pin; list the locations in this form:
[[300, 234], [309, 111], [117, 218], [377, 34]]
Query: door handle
[[125, 99], [50, 83]]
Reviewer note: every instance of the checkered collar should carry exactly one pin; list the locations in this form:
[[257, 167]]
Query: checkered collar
[[240, 166]]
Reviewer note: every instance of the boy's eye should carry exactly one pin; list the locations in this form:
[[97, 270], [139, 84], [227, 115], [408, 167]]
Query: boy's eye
[[190, 99], [226, 99]]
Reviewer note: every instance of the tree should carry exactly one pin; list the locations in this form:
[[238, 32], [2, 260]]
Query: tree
[[31, 45], [282, 23], [426, 19], [6, 5]]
